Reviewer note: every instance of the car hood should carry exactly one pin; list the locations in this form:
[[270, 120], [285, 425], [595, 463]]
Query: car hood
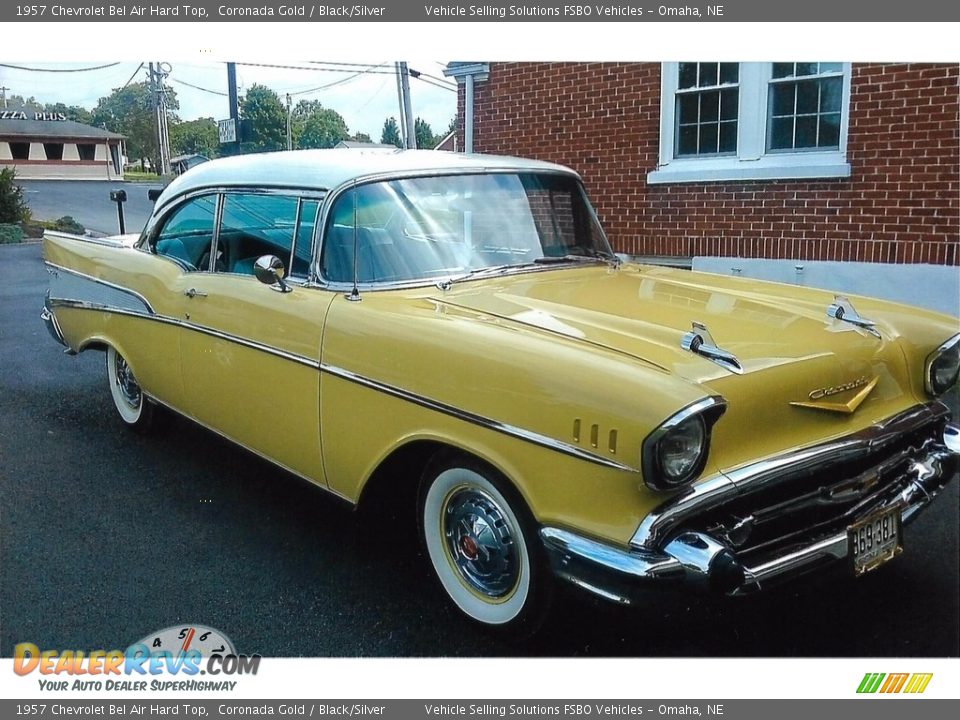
[[791, 352]]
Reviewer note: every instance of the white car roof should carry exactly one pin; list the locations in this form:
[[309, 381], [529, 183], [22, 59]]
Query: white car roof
[[327, 169]]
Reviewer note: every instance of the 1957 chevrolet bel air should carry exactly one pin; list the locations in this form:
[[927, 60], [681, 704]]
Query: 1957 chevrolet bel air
[[459, 326]]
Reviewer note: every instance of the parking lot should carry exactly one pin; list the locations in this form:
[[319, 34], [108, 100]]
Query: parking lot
[[107, 536]]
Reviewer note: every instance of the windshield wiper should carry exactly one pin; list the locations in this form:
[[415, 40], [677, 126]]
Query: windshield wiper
[[593, 256]]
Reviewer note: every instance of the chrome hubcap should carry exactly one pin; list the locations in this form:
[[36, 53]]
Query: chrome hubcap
[[480, 542], [129, 388]]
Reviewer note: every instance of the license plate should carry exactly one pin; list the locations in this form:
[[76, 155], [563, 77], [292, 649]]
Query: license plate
[[875, 539]]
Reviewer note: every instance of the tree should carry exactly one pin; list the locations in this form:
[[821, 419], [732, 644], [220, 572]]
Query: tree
[[424, 134], [391, 133], [264, 120], [71, 112], [322, 128], [361, 137], [13, 208], [130, 112], [198, 136]]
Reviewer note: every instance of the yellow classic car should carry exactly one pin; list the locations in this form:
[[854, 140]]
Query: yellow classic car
[[457, 328]]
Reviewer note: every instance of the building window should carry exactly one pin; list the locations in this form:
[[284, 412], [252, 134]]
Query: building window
[[20, 150], [805, 106], [752, 121], [706, 101], [53, 151], [87, 151]]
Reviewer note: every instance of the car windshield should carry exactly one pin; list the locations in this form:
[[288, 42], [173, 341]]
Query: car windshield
[[453, 226]]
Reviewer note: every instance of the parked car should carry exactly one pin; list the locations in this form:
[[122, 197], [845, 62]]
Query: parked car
[[458, 328]]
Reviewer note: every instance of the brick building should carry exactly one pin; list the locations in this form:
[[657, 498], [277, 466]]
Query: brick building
[[765, 169]]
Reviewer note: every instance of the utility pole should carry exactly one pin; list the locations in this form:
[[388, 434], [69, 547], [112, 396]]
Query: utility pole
[[160, 112], [403, 112], [408, 108], [234, 103], [3, 95], [289, 122]]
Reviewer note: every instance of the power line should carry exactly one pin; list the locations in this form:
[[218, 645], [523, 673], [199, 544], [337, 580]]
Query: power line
[[313, 69], [341, 81], [197, 87], [436, 85], [60, 70], [139, 68], [434, 77]]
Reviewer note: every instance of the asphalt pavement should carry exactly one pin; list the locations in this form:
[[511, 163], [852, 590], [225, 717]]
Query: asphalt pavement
[[106, 536], [88, 202]]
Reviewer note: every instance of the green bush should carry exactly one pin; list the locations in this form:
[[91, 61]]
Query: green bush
[[68, 225], [10, 233], [12, 207]]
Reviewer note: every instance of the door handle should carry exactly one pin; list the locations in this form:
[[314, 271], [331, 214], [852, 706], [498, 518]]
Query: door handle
[[193, 292]]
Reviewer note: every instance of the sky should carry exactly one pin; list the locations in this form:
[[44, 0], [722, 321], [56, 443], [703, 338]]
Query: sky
[[364, 100]]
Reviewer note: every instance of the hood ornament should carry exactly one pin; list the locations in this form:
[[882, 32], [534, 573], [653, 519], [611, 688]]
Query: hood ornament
[[842, 309], [700, 341]]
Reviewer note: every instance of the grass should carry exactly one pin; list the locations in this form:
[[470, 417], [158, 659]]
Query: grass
[[145, 177]]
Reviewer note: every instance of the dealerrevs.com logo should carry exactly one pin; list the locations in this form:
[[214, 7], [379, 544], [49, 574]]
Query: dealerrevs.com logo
[[912, 683], [183, 652]]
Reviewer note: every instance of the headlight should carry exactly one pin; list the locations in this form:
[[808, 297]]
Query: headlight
[[942, 367], [675, 453]]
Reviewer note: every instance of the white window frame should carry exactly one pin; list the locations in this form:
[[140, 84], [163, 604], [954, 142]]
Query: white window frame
[[752, 160]]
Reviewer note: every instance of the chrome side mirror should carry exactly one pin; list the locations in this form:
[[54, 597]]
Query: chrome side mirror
[[270, 271]]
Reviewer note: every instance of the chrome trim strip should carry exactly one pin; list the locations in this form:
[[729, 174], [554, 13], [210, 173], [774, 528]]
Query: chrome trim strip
[[948, 344], [714, 491], [81, 305], [53, 269], [495, 425]]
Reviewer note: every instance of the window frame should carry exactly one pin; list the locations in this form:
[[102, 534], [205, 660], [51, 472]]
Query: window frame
[[752, 160], [156, 224]]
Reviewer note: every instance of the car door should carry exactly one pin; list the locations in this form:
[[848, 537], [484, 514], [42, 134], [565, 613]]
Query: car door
[[249, 352]]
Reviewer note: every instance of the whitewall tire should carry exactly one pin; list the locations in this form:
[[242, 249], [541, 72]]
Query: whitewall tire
[[134, 408], [482, 545]]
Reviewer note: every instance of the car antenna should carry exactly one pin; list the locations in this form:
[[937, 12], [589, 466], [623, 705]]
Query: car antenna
[[354, 294]]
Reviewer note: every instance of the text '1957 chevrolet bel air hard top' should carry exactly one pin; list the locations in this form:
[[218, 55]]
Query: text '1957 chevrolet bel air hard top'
[[458, 326]]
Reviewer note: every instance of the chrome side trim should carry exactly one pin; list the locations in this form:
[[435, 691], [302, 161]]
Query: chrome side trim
[[67, 284], [81, 305], [50, 320], [714, 491], [488, 423]]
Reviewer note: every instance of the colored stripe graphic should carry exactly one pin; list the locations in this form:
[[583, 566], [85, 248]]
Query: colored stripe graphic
[[918, 682], [870, 682], [894, 683]]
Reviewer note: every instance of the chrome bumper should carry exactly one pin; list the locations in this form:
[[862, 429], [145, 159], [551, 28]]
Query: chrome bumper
[[695, 557], [50, 320]]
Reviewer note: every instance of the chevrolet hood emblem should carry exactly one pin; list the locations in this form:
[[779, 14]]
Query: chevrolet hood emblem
[[818, 401]]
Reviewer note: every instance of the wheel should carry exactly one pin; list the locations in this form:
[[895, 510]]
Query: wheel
[[482, 545], [136, 410]]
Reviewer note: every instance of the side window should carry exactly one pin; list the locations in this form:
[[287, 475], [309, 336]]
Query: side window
[[187, 235], [253, 225]]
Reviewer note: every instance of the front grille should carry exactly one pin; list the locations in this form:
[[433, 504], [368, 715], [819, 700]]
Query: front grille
[[804, 503]]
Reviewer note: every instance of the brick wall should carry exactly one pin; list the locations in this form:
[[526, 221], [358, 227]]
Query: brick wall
[[900, 205]]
